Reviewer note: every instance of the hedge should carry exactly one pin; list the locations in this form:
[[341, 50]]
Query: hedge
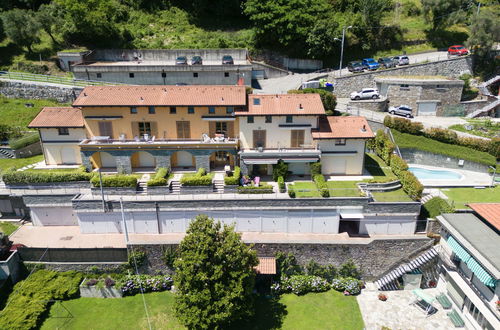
[[315, 168], [118, 180], [320, 181], [31, 298], [24, 141], [42, 176], [408, 180], [398, 165], [403, 125], [347, 284], [160, 178], [434, 207], [132, 284], [383, 146], [280, 170], [262, 189], [235, 179], [201, 178], [301, 284], [291, 191], [281, 184]]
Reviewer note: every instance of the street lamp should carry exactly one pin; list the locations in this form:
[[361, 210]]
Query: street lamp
[[342, 48], [494, 175]]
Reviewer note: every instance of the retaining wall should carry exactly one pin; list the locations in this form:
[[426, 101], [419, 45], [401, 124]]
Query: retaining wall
[[39, 91], [379, 105], [415, 156]]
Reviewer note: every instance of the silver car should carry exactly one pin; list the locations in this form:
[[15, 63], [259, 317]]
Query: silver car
[[401, 60], [402, 110]]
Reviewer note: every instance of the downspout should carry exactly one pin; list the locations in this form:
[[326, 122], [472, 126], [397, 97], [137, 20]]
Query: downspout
[[157, 208]]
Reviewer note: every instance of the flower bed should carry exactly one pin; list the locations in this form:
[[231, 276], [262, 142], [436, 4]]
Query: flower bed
[[301, 284], [262, 189], [132, 284], [348, 285], [100, 288]]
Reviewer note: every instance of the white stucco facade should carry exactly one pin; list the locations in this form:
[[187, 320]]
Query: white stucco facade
[[345, 159], [62, 149]]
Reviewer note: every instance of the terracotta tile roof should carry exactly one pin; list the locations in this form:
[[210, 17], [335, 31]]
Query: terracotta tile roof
[[162, 95], [337, 127], [58, 117], [489, 211], [267, 265], [283, 104]]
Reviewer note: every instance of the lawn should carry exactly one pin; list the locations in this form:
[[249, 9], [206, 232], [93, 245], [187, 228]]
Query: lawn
[[392, 196], [327, 310], [377, 168], [8, 163], [305, 189], [458, 197], [8, 227], [480, 127], [343, 188], [14, 113]]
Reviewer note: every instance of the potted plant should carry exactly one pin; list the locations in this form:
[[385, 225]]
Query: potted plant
[[498, 305], [382, 297]]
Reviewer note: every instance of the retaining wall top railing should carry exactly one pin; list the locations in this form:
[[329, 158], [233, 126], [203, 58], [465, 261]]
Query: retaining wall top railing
[[53, 79], [397, 151]]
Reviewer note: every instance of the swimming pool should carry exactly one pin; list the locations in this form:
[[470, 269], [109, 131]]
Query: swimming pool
[[425, 174]]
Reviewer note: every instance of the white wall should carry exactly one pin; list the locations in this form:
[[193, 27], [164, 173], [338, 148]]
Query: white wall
[[57, 153], [53, 216], [387, 225], [348, 164], [52, 134], [275, 136]]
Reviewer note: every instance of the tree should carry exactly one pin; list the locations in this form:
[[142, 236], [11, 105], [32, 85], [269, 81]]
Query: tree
[[21, 27], [50, 16], [321, 39], [484, 32], [443, 13], [214, 276]]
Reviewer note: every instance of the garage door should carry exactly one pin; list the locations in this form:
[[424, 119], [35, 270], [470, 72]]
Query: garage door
[[333, 165], [273, 221], [325, 222], [427, 108], [145, 223], [50, 216], [258, 74], [248, 221], [173, 222], [68, 156], [98, 223]]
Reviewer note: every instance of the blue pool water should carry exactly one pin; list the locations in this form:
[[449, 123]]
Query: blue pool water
[[425, 174]]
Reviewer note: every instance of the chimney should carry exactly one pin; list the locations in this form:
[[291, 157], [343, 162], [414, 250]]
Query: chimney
[[300, 106], [84, 94], [363, 129]]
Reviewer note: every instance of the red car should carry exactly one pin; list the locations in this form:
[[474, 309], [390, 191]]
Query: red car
[[458, 50]]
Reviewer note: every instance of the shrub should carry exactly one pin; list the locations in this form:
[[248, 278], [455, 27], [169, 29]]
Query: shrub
[[315, 168], [321, 184], [287, 265], [262, 189], [235, 179], [291, 191], [383, 146], [494, 148], [301, 284], [44, 176], [169, 256], [434, 207], [411, 185], [280, 170], [91, 282], [201, 178], [160, 177], [347, 284], [118, 180], [24, 141], [403, 125], [281, 184], [327, 272], [441, 134], [136, 258], [398, 165], [132, 284], [349, 269], [109, 282]]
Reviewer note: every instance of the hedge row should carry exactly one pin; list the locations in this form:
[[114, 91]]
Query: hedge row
[[24, 141], [133, 284], [320, 182], [235, 179], [201, 178], [30, 177], [160, 178], [434, 207], [302, 284], [262, 189], [32, 297], [281, 184], [118, 180]]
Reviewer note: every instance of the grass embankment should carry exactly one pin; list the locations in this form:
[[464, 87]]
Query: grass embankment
[[410, 141], [16, 163], [458, 197], [8, 227], [14, 112], [305, 189], [392, 196], [327, 310], [378, 169], [343, 188], [484, 128]]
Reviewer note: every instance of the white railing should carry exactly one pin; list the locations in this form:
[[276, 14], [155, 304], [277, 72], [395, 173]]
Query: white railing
[[157, 141], [53, 79]]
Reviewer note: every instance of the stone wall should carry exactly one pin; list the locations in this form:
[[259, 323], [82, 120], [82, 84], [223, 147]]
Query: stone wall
[[28, 151], [82, 267], [379, 105], [39, 91], [415, 156], [449, 68]]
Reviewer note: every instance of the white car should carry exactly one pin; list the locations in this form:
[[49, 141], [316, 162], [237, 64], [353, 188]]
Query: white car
[[365, 93], [401, 60], [402, 110]]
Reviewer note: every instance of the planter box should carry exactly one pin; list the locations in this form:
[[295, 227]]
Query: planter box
[[158, 190], [50, 185], [114, 191], [95, 292], [187, 190], [231, 189]]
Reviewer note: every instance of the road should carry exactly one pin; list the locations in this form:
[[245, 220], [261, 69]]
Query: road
[[283, 84]]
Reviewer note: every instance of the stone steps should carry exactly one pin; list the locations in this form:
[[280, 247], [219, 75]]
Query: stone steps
[[218, 186], [5, 154], [175, 187]]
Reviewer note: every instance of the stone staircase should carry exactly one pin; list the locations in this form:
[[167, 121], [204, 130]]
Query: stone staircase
[[5, 154], [142, 185], [218, 186], [175, 187]]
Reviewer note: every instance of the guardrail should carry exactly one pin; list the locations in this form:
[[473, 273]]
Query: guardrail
[[53, 79]]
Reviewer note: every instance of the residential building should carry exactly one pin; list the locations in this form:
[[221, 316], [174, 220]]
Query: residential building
[[470, 264], [426, 95]]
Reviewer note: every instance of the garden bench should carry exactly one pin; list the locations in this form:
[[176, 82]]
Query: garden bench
[[443, 301], [456, 319]]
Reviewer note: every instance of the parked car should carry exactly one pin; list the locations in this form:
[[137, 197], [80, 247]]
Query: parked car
[[227, 59], [370, 64], [401, 60], [401, 110], [355, 66], [365, 93], [196, 60], [181, 60], [458, 50], [386, 62]]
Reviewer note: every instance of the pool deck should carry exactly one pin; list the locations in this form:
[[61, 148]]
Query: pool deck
[[469, 178]]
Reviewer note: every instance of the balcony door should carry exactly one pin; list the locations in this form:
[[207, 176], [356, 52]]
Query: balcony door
[[259, 138], [297, 139], [225, 128], [106, 129], [183, 130]]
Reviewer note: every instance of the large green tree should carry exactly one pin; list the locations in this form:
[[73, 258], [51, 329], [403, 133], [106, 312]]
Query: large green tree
[[49, 16], [443, 13], [214, 276], [484, 31], [21, 27]]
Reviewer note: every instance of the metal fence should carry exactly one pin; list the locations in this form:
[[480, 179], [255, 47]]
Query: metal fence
[[53, 79], [73, 254]]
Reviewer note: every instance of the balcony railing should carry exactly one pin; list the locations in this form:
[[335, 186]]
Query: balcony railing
[[106, 141], [308, 148]]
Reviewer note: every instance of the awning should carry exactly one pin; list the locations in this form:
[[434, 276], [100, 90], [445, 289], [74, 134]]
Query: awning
[[351, 215], [258, 161], [274, 160], [481, 273], [458, 249]]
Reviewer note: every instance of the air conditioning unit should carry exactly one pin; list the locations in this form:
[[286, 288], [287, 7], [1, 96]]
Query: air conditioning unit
[[260, 149]]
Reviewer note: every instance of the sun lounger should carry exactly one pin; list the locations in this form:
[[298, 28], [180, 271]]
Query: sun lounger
[[456, 319], [443, 301]]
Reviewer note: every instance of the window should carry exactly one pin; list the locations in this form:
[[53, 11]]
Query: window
[[441, 87], [269, 119], [297, 138], [229, 110], [152, 110], [131, 75], [289, 119], [211, 110], [256, 101], [164, 75], [183, 130], [173, 110], [63, 131], [99, 75], [106, 128], [221, 127], [404, 87], [195, 74], [259, 138], [250, 120], [190, 109], [226, 74], [144, 128], [340, 142], [133, 110]]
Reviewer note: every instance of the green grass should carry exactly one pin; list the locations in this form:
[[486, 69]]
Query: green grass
[[309, 189], [485, 128], [392, 196], [378, 169], [458, 197], [14, 113], [327, 310], [8, 163], [343, 188], [8, 227], [405, 140]]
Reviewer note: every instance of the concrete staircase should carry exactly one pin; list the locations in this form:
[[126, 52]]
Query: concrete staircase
[[218, 186], [142, 184], [5, 154], [175, 187]]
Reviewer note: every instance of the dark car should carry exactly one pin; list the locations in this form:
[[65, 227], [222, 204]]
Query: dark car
[[355, 66], [227, 59], [386, 62], [196, 60], [181, 60]]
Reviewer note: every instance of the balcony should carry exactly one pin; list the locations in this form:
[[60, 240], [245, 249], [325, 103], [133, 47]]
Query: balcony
[[146, 141], [445, 254], [272, 155]]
